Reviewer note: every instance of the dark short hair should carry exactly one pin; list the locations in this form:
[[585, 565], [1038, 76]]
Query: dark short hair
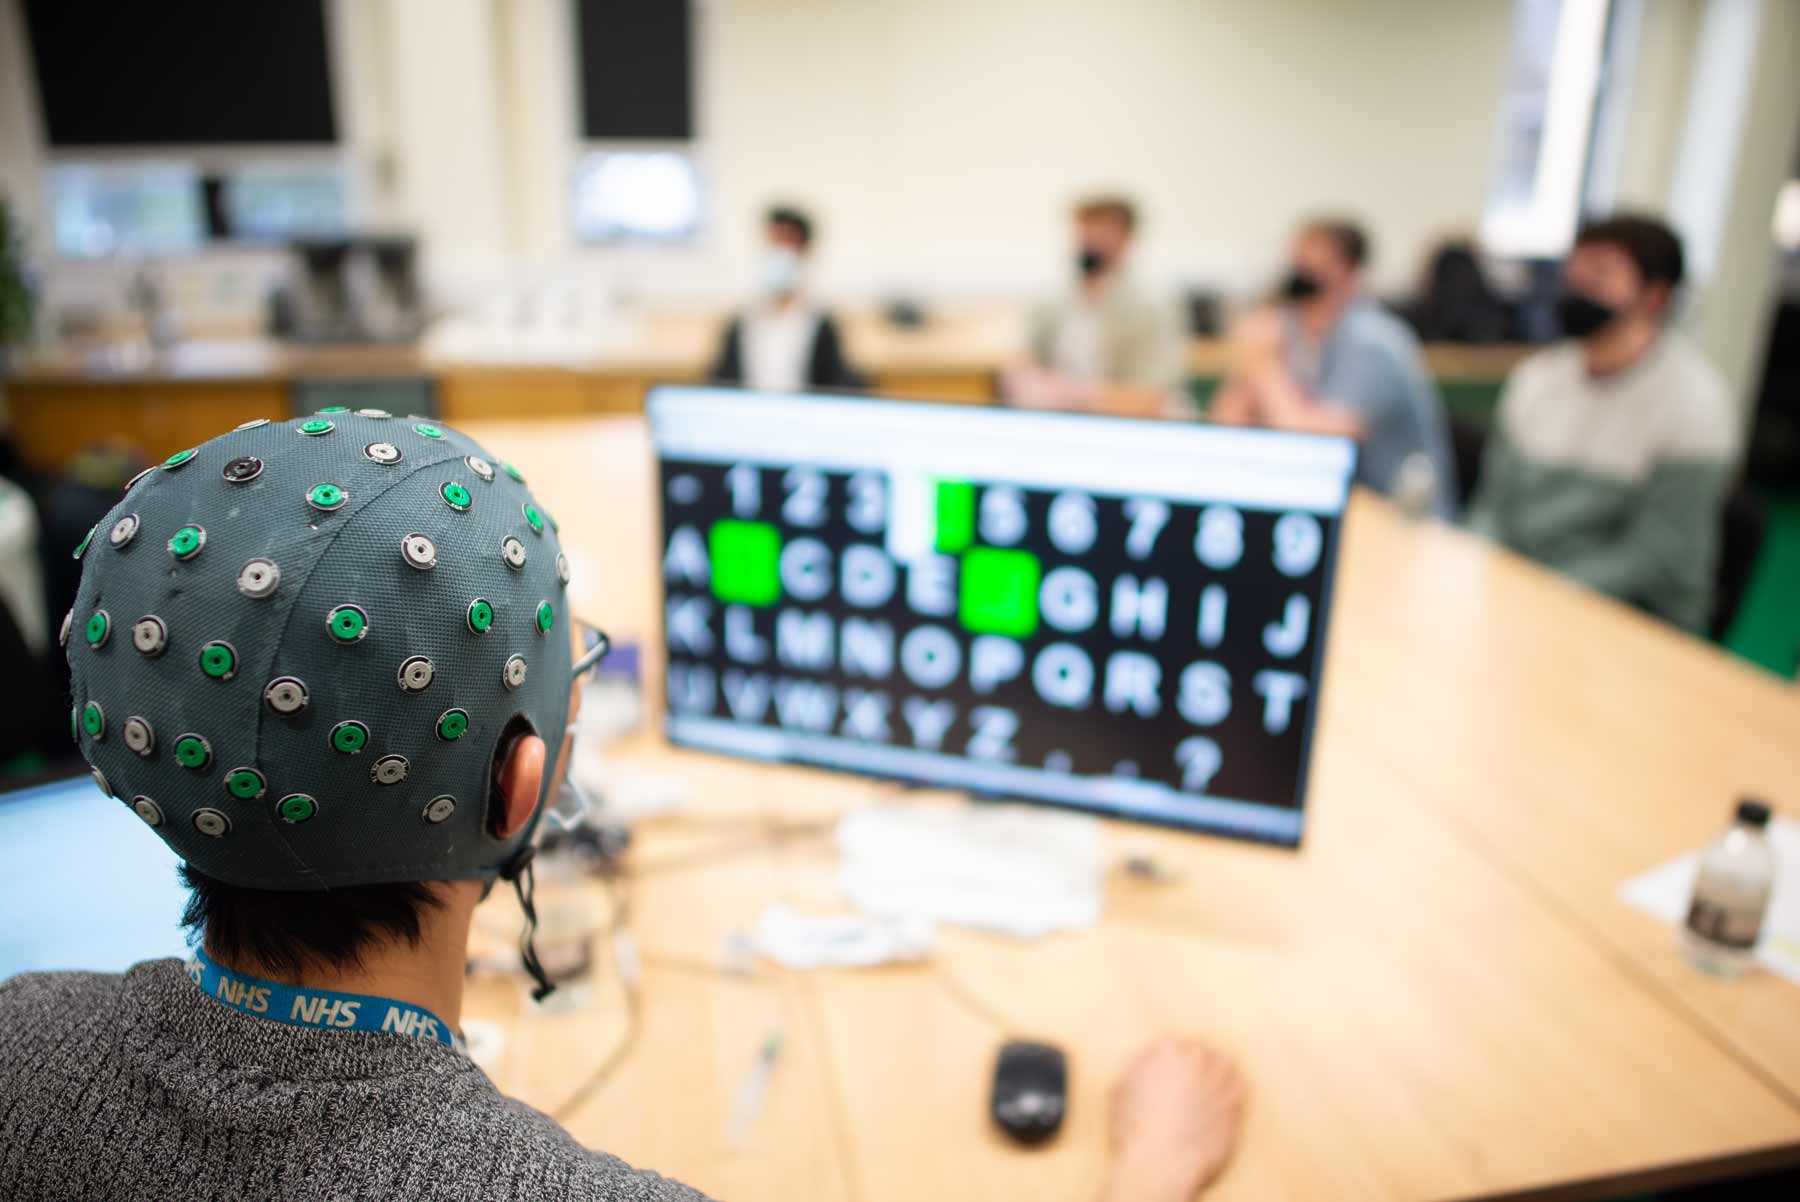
[[1108, 208], [794, 219], [287, 933], [1652, 245], [1351, 240]]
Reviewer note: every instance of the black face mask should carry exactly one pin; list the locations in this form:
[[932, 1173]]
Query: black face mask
[[1301, 285], [1090, 262], [1581, 316]]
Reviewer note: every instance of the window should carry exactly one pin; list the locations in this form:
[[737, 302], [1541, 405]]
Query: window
[[645, 196], [165, 207], [637, 177], [240, 146], [636, 69], [213, 72], [276, 203], [1548, 119], [140, 208], [1786, 226]]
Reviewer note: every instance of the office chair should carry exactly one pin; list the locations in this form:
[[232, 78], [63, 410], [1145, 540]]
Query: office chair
[[1743, 523], [1468, 438]]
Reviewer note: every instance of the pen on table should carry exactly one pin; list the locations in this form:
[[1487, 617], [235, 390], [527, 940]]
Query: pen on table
[[752, 1091]]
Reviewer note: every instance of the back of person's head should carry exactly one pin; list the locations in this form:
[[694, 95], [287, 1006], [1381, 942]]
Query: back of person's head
[[1456, 302], [1104, 225], [302, 653], [1345, 235], [1651, 245], [1326, 257], [1108, 207], [791, 225]]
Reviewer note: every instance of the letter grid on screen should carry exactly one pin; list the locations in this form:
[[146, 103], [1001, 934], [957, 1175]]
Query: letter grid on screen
[[1148, 655]]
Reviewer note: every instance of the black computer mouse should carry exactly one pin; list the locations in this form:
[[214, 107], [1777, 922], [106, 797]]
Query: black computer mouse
[[1030, 1097]]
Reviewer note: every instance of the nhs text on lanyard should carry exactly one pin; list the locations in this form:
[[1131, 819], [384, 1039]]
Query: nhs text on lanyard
[[314, 1007]]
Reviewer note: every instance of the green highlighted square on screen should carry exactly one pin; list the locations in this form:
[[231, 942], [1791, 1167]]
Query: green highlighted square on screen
[[955, 516], [999, 592], [746, 559]]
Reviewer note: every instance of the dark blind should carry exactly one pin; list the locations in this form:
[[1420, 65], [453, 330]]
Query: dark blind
[[181, 71], [636, 63]]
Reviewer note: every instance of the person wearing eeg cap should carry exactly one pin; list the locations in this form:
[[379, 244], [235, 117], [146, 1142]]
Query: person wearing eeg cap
[[328, 661]]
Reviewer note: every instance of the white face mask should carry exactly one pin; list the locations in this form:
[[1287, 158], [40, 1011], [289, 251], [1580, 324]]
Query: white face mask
[[780, 271]]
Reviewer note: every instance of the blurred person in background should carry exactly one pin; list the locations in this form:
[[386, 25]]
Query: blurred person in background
[[1328, 359], [1456, 303], [1612, 451], [1107, 345], [784, 342]]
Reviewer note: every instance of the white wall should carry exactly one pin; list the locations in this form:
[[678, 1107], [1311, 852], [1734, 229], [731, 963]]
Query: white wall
[[941, 140], [20, 166], [1657, 98], [443, 85], [1734, 300], [1717, 178]]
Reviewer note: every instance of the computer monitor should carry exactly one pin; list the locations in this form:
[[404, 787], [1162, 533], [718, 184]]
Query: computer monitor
[[83, 883], [1117, 615]]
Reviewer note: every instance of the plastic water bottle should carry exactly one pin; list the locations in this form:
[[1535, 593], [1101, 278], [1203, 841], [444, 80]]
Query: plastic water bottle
[[1731, 895], [1416, 486]]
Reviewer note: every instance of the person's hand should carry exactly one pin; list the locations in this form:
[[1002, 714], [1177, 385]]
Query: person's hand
[[1176, 1114], [1025, 385], [1257, 337], [1032, 387]]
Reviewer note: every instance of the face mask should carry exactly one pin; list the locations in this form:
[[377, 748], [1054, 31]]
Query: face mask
[[1301, 285], [1581, 316], [781, 271], [1090, 262]]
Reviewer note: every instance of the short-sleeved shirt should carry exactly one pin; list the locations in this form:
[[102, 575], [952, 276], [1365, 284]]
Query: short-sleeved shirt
[[1121, 336], [1370, 364]]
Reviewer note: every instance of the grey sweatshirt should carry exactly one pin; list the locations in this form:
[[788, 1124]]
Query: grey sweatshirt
[[139, 1088], [1617, 481]]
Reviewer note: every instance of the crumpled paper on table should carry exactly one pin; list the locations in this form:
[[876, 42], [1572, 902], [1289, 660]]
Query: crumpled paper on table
[[1016, 870]]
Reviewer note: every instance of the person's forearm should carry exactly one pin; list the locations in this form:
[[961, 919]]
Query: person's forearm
[[1127, 400], [1285, 405], [1643, 575], [1483, 518], [1232, 404], [1664, 558], [1494, 489], [1143, 1178]]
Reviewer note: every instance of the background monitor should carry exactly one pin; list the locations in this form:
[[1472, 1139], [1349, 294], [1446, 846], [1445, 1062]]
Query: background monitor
[[1118, 615], [204, 72], [83, 883]]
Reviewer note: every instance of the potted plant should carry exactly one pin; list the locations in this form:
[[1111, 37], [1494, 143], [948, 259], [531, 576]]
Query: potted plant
[[15, 298]]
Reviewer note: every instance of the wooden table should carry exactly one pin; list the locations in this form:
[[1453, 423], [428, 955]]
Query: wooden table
[[62, 400], [1439, 996]]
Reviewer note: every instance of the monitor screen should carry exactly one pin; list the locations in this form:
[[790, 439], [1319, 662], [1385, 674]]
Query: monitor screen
[[201, 72], [83, 883], [1118, 615], [635, 62]]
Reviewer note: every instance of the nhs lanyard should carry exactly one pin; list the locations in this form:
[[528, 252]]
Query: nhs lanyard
[[320, 1008]]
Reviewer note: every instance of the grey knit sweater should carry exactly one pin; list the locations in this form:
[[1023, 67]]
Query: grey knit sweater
[[139, 1088]]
